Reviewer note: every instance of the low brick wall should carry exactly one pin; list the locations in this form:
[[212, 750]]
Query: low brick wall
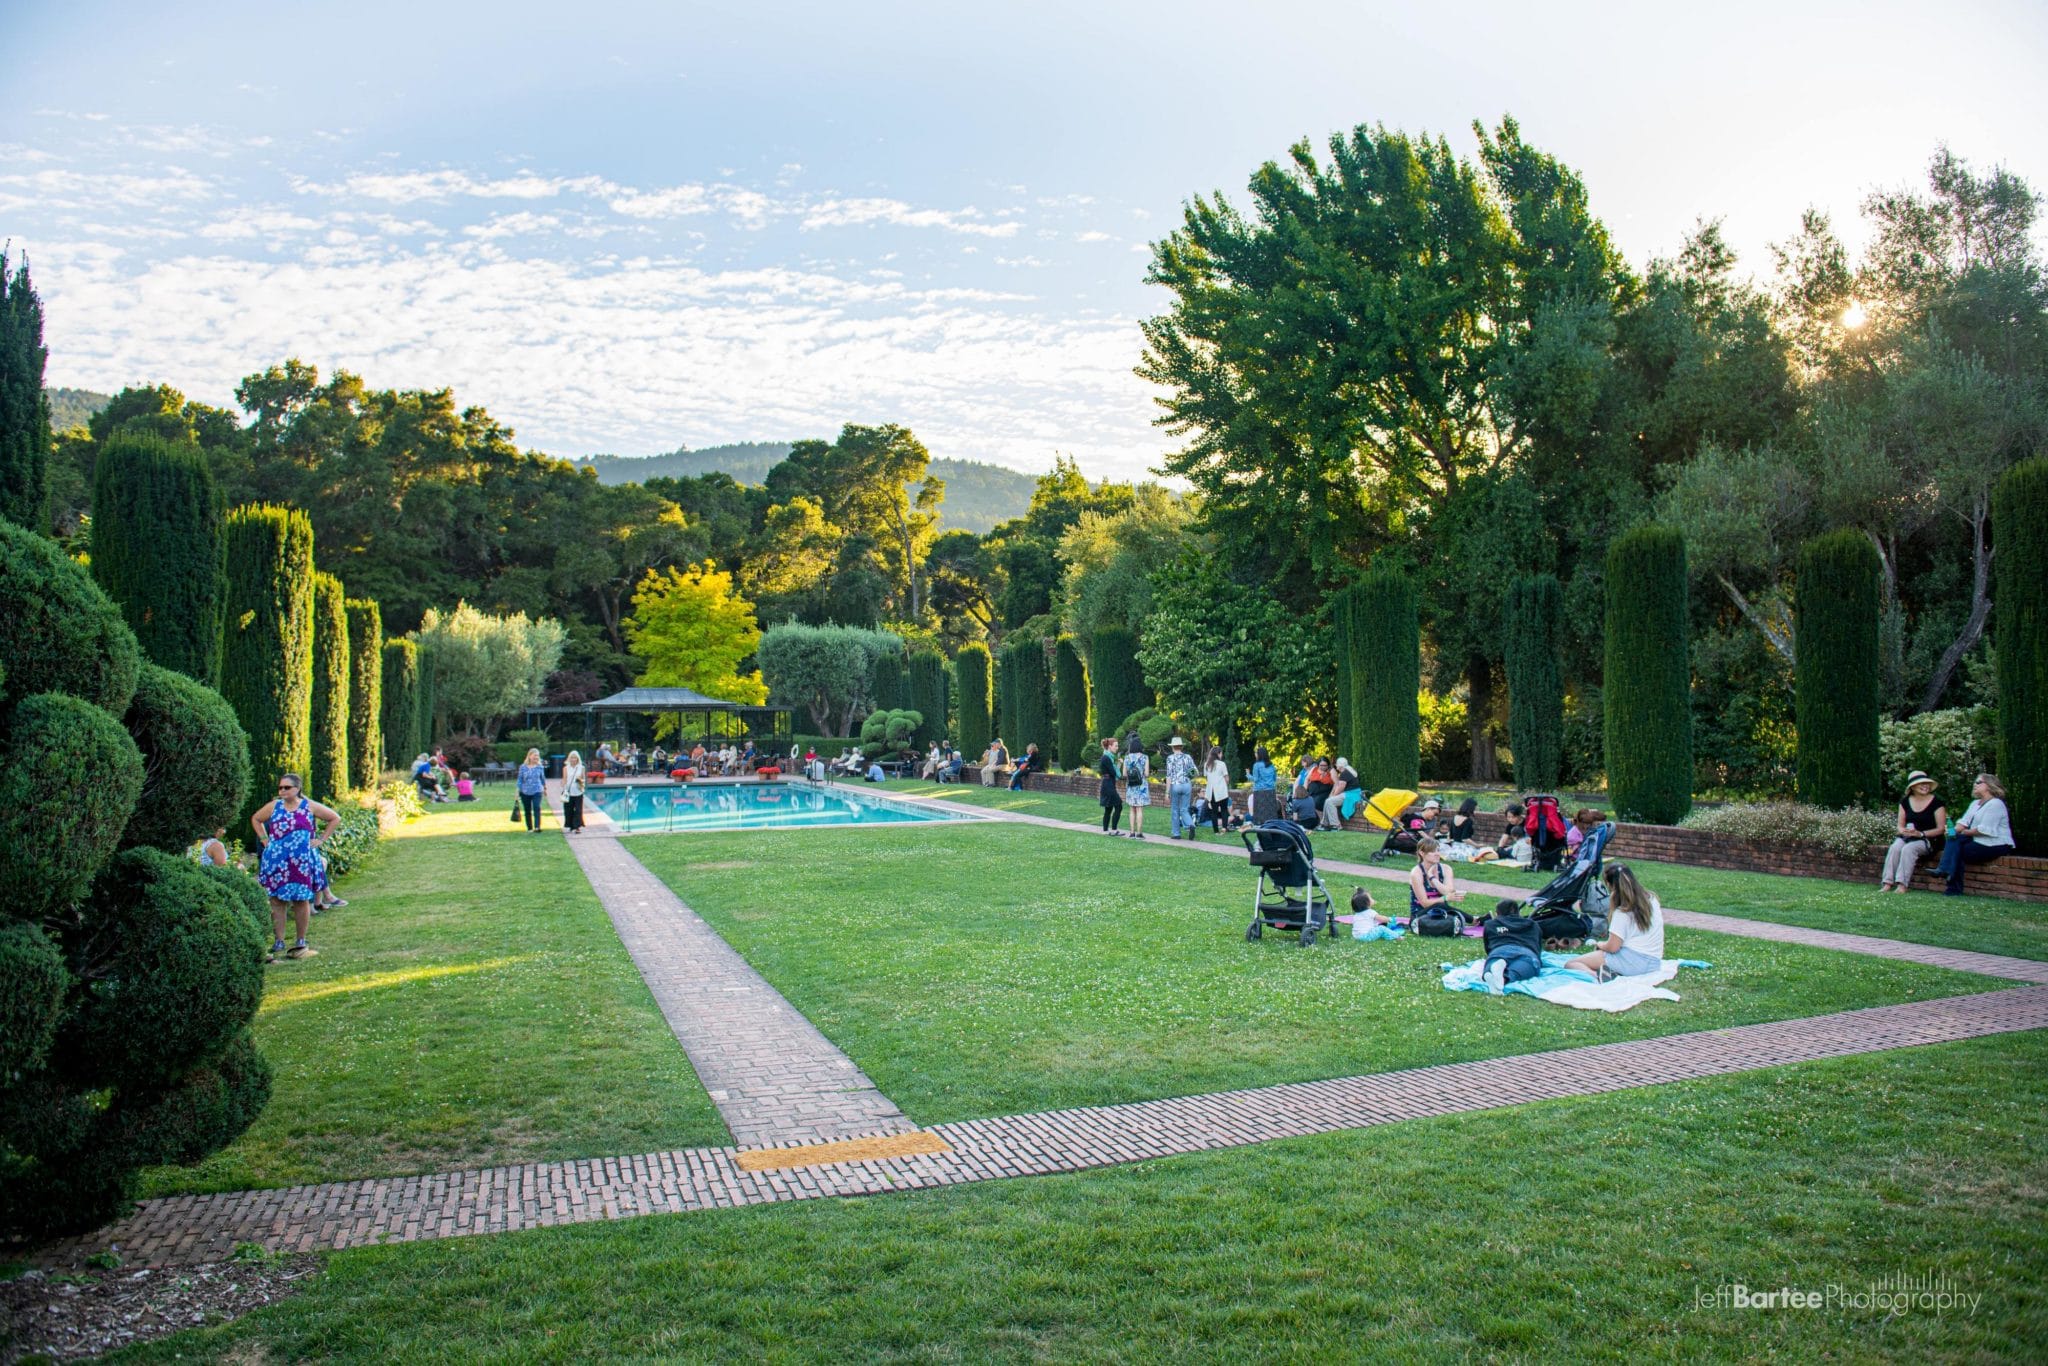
[[2012, 877]]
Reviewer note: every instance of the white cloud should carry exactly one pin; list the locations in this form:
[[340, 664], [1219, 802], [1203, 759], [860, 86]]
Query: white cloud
[[1094, 235], [848, 213]]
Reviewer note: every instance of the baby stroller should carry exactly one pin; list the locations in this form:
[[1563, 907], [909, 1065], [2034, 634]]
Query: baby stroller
[[1383, 811], [1577, 883], [1544, 825], [1290, 896]]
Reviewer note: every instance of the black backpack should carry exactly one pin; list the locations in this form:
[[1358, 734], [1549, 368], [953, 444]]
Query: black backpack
[[1512, 929], [1441, 923], [1565, 926]]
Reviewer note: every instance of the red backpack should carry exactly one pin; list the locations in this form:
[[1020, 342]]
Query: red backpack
[[1544, 824]]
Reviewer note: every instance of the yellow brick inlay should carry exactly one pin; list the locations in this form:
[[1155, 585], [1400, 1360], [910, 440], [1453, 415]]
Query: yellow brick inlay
[[915, 1144]]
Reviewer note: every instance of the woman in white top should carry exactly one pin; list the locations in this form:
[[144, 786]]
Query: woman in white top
[[572, 793], [1983, 834], [1216, 789], [1635, 943]]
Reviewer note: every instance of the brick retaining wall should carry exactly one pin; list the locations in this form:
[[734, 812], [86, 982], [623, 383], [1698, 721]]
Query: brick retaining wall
[[2018, 879]]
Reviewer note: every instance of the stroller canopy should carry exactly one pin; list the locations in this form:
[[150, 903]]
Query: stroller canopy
[[1383, 809]]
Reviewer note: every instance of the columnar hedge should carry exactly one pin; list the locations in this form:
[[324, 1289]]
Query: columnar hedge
[[156, 549], [1532, 650], [927, 687], [1070, 713], [1002, 699], [1647, 698], [971, 672], [401, 700], [267, 637], [424, 697], [1118, 682], [365, 692], [1340, 637], [1030, 705], [1385, 633], [1835, 674], [886, 691], [331, 664], [24, 407], [2019, 528], [128, 973]]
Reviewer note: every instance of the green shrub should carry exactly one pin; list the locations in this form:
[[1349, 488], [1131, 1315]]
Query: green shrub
[[1849, 832], [354, 840], [1585, 739], [971, 673], [1117, 680], [61, 634], [404, 798], [1030, 707], [1346, 738], [195, 762], [1952, 747], [402, 738], [1532, 643], [1647, 696], [156, 548], [926, 688], [885, 690], [889, 734], [212, 1107], [1836, 670], [2019, 521], [1386, 680], [69, 780], [181, 976], [267, 647], [327, 777], [1070, 714], [33, 981], [365, 693], [1153, 726], [528, 739]]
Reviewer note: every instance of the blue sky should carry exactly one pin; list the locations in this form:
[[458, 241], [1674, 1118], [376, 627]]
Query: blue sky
[[630, 227]]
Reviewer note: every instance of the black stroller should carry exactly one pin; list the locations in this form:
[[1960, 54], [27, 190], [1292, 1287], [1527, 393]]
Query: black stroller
[[1291, 896], [1572, 907]]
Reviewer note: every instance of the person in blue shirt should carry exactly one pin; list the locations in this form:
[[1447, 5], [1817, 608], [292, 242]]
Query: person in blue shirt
[[533, 781], [1265, 781]]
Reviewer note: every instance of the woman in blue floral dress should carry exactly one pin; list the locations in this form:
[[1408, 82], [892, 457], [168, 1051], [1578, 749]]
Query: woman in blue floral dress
[[291, 870]]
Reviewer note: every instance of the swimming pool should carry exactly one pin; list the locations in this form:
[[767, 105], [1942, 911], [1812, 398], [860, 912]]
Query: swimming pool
[[749, 806]]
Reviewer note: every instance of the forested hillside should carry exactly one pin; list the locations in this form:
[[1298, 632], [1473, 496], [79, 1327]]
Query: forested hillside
[[72, 407]]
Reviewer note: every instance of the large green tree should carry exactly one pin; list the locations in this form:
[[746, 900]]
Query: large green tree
[[825, 672], [480, 668], [24, 412], [156, 549], [267, 644], [694, 632]]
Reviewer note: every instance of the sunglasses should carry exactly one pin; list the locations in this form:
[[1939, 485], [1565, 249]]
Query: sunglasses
[[286, 787]]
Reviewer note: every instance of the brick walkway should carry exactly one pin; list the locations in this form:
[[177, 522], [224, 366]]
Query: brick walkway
[[773, 1076], [187, 1229]]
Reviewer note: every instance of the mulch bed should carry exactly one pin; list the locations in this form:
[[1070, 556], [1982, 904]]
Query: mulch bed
[[72, 1315]]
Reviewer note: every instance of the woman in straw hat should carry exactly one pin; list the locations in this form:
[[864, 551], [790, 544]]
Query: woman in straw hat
[[1922, 821]]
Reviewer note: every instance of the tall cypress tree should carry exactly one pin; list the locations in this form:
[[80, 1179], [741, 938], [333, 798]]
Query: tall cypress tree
[[1835, 671], [2019, 528], [927, 694], [329, 776], [1118, 680], [1385, 632], [1001, 695], [402, 741], [1030, 703], [428, 702], [365, 692], [1532, 652], [1340, 636], [1648, 693], [1071, 714], [887, 688], [156, 548], [971, 670], [267, 640], [24, 408]]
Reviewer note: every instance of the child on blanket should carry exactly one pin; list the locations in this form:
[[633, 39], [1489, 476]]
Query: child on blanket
[[1636, 944]]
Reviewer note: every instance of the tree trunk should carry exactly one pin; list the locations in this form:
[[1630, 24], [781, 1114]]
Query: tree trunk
[[1479, 719], [1980, 608], [1780, 642]]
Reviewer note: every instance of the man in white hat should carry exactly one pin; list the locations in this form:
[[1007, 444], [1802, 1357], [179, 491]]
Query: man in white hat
[[1333, 806], [1180, 786]]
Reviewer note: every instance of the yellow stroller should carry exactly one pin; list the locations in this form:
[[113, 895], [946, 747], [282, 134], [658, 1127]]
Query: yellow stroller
[[1383, 812]]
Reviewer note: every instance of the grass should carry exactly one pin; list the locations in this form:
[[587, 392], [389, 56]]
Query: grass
[[1576, 1229], [1985, 924], [984, 968], [471, 1006]]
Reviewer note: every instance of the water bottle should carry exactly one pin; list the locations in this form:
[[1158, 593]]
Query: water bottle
[[1951, 827]]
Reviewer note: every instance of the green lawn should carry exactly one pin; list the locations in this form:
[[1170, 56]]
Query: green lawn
[[1577, 1229], [472, 1005], [985, 968], [1986, 924]]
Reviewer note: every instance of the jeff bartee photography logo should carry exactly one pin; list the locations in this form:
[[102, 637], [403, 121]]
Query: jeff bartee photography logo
[[1902, 1292]]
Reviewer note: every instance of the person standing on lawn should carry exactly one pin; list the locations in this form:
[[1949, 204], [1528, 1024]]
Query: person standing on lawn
[[1111, 795], [1137, 782], [1180, 786], [1983, 834], [1216, 789], [1923, 821], [1265, 780], [289, 869], [533, 782], [572, 793]]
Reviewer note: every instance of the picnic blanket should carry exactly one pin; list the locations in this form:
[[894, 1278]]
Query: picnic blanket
[[1565, 987]]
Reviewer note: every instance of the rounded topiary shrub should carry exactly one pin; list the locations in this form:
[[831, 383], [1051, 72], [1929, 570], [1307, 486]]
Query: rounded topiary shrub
[[211, 1107], [183, 977], [195, 761], [69, 779], [33, 981], [61, 633]]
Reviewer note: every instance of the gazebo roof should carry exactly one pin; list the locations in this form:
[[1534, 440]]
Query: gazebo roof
[[668, 699]]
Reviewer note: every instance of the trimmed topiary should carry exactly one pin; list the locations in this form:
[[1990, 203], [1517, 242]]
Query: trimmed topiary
[[33, 981], [267, 647], [889, 734], [61, 634], [327, 775], [1837, 659], [2019, 528], [156, 548], [1070, 678], [1385, 632], [365, 693], [69, 780], [1118, 681], [402, 740], [1647, 697], [212, 1106], [927, 690], [195, 761], [1031, 705], [1340, 636], [971, 671], [1532, 641], [886, 689]]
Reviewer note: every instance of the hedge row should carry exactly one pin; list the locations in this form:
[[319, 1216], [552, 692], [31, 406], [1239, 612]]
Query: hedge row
[[1648, 692]]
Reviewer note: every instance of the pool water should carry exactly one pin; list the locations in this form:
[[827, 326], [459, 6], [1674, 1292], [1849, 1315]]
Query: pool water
[[748, 806]]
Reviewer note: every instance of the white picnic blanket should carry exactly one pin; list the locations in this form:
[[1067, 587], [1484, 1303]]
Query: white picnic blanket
[[1564, 987]]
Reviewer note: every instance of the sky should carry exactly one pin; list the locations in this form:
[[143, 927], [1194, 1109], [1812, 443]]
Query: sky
[[630, 227]]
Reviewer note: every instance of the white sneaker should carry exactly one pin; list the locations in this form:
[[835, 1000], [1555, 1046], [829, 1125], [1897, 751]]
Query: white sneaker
[[1496, 977]]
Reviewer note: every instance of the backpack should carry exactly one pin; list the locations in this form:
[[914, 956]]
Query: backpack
[[1438, 924], [1512, 929], [1544, 823], [1563, 926]]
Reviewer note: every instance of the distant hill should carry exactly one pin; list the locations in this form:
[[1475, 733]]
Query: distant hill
[[977, 496], [73, 407]]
